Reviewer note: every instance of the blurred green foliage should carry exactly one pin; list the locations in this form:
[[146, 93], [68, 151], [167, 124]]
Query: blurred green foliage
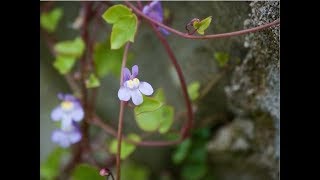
[[86, 172], [126, 147], [153, 114], [50, 168], [222, 58], [49, 20], [191, 155], [193, 90]]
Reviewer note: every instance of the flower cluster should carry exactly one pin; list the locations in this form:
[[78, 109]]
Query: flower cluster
[[132, 87], [69, 112], [154, 10]]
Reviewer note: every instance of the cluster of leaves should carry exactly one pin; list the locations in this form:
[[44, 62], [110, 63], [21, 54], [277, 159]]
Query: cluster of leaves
[[154, 115], [50, 168], [191, 156], [124, 22]]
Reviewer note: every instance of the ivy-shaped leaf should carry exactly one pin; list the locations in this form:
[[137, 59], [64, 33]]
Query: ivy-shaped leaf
[[126, 147], [222, 58], [93, 81], [123, 31], [50, 20], [147, 115], [166, 119], [114, 13], [73, 48], [159, 95], [182, 151], [85, 172], [149, 104], [124, 25], [202, 25], [153, 114], [193, 90], [50, 168], [64, 64]]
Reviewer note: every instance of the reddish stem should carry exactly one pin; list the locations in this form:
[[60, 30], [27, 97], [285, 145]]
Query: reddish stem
[[188, 124], [212, 36], [120, 124]]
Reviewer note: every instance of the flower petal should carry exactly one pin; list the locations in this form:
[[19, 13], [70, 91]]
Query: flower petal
[[66, 123], [164, 31], [60, 138], [135, 71], [69, 97], [74, 136], [156, 6], [124, 94], [136, 96], [77, 114], [126, 74], [57, 114], [145, 88]]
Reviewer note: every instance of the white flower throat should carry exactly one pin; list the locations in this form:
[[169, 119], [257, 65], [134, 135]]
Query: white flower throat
[[133, 83]]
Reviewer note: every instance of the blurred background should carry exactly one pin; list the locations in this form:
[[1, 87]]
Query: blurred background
[[237, 115]]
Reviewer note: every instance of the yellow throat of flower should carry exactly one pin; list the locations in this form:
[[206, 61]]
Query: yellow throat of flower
[[133, 83], [66, 105]]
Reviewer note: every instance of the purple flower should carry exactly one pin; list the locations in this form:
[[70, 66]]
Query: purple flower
[[154, 11], [69, 110], [66, 137], [132, 87]]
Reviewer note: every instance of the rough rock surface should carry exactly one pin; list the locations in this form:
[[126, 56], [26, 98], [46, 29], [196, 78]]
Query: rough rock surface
[[253, 94]]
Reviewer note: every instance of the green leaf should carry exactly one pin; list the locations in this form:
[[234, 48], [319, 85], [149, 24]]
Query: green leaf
[[50, 20], [114, 13], [149, 104], [147, 115], [198, 155], [194, 171], [153, 114], [171, 136], [133, 171], [85, 172], [193, 90], [149, 121], [181, 152], [123, 30], [126, 147], [50, 168], [222, 58], [64, 64], [92, 82], [202, 25], [107, 60], [73, 48], [166, 119], [159, 95]]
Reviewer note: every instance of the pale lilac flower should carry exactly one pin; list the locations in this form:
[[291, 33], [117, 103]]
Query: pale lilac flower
[[132, 87], [69, 110], [67, 137], [154, 10]]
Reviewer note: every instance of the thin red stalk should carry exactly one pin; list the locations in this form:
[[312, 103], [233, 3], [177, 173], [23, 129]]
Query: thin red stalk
[[188, 124], [119, 137], [98, 122], [212, 36], [120, 122]]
